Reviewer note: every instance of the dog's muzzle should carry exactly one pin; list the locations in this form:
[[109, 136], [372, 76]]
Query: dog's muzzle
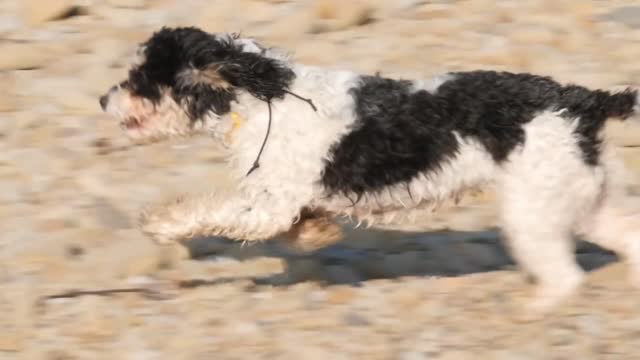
[[104, 100]]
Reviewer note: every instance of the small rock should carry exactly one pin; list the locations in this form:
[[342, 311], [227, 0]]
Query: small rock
[[94, 185], [101, 77], [7, 101], [246, 328], [74, 251], [90, 237], [110, 216], [627, 15], [413, 355], [103, 145], [140, 265], [75, 100], [291, 27], [129, 256], [431, 11], [624, 133], [9, 23], [23, 56], [534, 35], [355, 319], [340, 294], [50, 225], [130, 4], [257, 11], [333, 15], [214, 18], [40, 11], [59, 355], [11, 342], [97, 321]]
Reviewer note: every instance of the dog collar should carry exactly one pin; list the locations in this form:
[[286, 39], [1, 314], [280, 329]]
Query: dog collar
[[237, 121]]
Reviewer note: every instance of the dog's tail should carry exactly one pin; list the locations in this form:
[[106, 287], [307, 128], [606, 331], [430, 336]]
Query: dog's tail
[[596, 107], [620, 105]]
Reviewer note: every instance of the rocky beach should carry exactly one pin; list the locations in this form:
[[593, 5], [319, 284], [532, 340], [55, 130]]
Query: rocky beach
[[79, 281]]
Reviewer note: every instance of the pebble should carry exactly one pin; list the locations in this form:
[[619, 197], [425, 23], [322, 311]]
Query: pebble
[[109, 216], [333, 15], [355, 319], [627, 15], [131, 4], [24, 56], [39, 11]]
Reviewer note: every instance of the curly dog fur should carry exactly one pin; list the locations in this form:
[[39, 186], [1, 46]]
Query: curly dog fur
[[309, 144]]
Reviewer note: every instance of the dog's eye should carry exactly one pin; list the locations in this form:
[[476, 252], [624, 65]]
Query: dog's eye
[[139, 85]]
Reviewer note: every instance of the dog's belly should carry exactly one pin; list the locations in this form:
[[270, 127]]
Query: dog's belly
[[471, 169]]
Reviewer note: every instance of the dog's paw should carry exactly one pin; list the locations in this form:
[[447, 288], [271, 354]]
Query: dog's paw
[[163, 224], [312, 234], [547, 298]]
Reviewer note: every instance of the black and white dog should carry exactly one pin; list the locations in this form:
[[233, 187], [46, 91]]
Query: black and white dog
[[308, 144]]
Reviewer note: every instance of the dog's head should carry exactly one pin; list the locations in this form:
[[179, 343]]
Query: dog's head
[[184, 79]]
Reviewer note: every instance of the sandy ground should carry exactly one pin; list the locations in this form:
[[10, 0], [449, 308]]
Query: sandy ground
[[78, 281]]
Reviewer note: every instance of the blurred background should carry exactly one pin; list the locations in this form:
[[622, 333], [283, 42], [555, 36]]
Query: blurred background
[[78, 281]]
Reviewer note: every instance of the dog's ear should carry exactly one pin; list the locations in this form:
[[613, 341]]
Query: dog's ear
[[203, 90], [206, 76], [218, 68], [265, 78]]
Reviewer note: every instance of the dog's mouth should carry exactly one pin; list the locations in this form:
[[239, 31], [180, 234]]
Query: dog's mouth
[[132, 122]]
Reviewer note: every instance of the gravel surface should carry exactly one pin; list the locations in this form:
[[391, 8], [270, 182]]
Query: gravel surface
[[79, 281]]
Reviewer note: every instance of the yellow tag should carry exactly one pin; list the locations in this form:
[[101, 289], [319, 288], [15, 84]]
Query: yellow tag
[[236, 122]]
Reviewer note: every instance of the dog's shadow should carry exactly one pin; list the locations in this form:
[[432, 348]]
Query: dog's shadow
[[379, 254]]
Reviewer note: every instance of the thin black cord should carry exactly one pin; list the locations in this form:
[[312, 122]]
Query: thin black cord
[[256, 163], [308, 101]]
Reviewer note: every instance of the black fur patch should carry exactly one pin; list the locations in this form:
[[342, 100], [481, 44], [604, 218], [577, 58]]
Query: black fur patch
[[172, 50], [400, 133]]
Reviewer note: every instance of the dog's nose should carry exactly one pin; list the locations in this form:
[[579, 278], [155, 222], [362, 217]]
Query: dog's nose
[[104, 99]]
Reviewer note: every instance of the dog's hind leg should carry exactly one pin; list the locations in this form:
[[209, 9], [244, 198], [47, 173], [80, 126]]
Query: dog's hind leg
[[540, 242], [546, 186]]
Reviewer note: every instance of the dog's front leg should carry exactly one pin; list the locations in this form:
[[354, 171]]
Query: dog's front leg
[[236, 216]]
